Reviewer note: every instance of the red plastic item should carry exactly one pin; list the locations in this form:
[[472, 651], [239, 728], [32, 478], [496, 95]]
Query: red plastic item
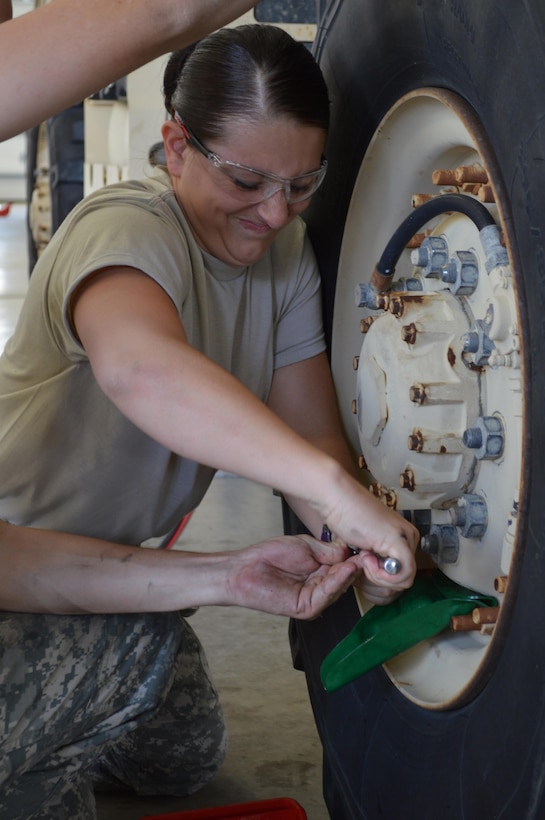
[[280, 809]]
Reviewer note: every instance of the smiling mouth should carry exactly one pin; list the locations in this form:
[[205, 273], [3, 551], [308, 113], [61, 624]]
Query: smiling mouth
[[255, 227]]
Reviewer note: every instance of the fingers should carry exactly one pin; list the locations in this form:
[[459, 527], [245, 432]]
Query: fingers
[[325, 588], [326, 552]]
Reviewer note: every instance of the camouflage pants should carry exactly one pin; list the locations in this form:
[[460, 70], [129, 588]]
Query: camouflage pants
[[115, 699]]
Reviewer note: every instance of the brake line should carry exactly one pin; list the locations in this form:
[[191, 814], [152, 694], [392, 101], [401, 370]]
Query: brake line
[[447, 203]]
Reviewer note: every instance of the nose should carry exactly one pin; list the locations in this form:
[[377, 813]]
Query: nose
[[275, 210]]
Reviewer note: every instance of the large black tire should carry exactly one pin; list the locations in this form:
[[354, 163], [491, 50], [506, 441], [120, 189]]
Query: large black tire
[[384, 756]]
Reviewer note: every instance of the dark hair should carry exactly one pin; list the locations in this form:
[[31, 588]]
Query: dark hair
[[254, 72]]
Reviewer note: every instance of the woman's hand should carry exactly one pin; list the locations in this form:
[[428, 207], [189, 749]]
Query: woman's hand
[[360, 520], [296, 576]]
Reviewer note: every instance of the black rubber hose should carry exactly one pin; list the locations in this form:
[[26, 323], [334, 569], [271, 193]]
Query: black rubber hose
[[459, 203]]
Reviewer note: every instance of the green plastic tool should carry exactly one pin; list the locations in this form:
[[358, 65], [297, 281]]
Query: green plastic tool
[[385, 631]]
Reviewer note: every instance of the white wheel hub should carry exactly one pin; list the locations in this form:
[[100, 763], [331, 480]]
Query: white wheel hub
[[437, 397]]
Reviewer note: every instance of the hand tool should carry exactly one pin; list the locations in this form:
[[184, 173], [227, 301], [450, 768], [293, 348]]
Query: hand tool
[[390, 565]]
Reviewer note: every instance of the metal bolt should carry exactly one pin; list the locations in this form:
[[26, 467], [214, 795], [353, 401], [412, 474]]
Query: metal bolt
[[361, 295], [396, 305], [471, 173], [486, 194], [406, 480], [470, 515], [416, 240], [485, 614], [417, 393], [448, 274], [420, 199], [486, 437], [431, 256], [408, 333], [355, 362], [443, 177], [500, 583], [366, 323], [462, 273], [415, 441], [470, 342], [442, 544], [478, 343]]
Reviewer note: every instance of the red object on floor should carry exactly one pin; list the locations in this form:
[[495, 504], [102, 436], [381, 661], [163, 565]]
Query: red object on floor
[[282, 809], [178, 531], [4, 209]]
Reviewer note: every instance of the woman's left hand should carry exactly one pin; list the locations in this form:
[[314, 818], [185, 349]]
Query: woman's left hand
[[296, 576]]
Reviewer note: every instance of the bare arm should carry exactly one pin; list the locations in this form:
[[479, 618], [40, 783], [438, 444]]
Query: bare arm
[[141, 359], [58, 54], [44, 571], [303, 395]]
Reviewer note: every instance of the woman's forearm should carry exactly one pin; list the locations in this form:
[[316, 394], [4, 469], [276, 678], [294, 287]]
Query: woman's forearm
[[54, 56], [195, 408], [59, 573]]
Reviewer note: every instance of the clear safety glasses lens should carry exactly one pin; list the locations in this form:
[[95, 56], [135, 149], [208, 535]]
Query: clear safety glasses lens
[[254, 186]]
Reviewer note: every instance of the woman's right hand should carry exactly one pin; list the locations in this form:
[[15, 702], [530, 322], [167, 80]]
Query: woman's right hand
[[358, 519]]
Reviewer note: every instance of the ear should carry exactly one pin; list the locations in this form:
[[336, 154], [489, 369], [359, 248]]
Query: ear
[[175, 146]]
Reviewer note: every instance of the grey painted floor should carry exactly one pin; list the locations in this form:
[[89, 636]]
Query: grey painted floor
[[274, 750]]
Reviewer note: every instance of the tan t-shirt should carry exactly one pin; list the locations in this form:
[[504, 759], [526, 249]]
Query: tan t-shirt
[[69, 459]]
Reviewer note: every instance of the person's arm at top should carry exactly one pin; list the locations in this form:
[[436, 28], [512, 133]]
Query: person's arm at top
[[51, 572], [142, 361], [54, 56]]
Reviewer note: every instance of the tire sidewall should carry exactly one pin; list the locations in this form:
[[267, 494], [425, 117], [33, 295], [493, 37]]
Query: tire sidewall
[[485, 759]]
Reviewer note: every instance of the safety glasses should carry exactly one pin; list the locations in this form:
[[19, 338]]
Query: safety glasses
[[252, 186]]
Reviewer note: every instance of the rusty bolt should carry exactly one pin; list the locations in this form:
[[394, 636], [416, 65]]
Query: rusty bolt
[[408, 333], [362, 464], [420, 199], [417, 393], [471, 188], [485, 615], [416, 441], [463, 623], [383, 301], [355, 362], [443, 176], [355, 407], [366, 323], [396, 305], [470, 173], [416, 240], [390, 499], [406, 480], [486, 194], [500, 583]]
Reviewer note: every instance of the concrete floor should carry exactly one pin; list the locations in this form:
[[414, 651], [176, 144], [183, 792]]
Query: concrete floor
[[274, 749]]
